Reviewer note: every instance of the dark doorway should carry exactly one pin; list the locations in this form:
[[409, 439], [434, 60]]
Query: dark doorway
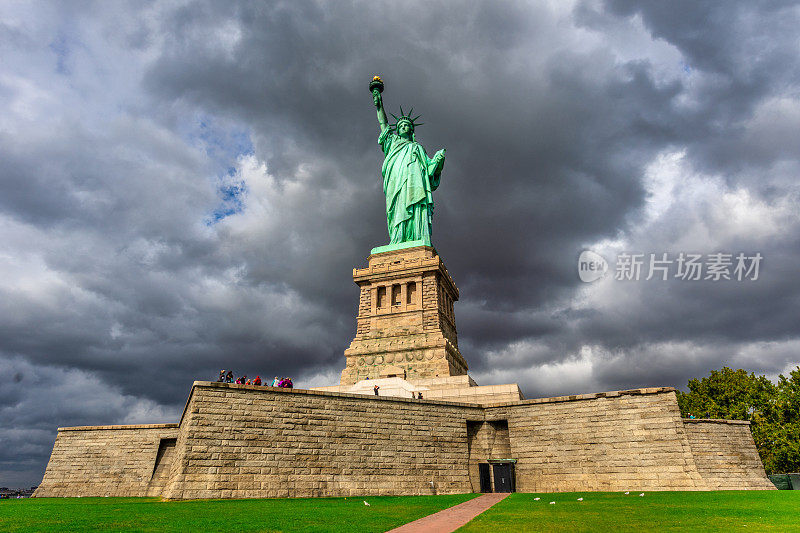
[[485, 477], [503, 477]]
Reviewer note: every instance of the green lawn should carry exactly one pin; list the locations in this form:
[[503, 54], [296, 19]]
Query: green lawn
[[150, 514], [599, 511], [670, 511]]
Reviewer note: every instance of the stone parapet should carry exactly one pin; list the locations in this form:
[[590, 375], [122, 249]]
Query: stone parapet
[[123, 427], [716, 421], [596, 395]]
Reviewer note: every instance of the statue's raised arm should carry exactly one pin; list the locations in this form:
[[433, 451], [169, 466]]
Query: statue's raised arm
[[377, 88], [409, 176]]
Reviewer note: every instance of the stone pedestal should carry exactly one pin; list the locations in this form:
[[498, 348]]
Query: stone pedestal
[[406, 325]]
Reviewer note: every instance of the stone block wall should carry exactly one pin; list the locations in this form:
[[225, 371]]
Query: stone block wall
[[104, 460], [242, 441], [624, 440], [256, 442], [726, 455], [485, 395], [364, 309]]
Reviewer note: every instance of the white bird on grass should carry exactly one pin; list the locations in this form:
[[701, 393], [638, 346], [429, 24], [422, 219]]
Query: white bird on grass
[[642, 494], [552, 503], [365, 503], [580, 499], [536, 499], [627, 492]]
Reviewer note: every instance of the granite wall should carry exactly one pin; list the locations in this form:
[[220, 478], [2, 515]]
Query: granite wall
[[105, 460], [726, 455], [241, 441], [623, 440], [257, 442]]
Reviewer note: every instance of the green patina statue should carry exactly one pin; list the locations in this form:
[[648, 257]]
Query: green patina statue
[[409, 178]]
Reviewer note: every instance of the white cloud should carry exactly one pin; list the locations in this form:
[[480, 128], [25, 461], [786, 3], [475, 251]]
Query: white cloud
[[571, 374]]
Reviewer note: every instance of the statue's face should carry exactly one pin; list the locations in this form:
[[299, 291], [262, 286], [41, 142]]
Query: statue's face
[[405, 129]]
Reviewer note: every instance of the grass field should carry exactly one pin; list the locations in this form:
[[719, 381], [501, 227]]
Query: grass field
[[599, 511], [661, 511], [150, 514]]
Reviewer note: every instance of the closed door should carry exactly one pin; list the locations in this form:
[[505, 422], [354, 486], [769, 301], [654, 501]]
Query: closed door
[[503, 477]]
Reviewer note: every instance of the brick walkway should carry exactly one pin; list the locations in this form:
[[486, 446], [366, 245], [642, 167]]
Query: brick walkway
[[452, 518]]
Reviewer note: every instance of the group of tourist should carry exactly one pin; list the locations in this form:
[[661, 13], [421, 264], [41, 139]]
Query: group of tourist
[[227, 377]]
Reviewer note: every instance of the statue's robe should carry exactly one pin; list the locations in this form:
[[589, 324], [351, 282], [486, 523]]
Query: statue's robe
[[409, 179]]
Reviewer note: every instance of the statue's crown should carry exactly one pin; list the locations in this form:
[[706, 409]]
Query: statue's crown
[[406, 118]]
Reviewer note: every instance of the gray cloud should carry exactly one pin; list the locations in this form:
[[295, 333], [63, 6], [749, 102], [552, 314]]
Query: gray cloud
[[187, 188]]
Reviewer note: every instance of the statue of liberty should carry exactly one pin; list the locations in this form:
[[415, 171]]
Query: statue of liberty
[[409, 175]]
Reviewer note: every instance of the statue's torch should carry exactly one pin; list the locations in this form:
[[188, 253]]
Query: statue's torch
[[376, 85]]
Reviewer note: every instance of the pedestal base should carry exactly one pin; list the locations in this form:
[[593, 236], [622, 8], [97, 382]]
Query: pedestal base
[[406, 322]]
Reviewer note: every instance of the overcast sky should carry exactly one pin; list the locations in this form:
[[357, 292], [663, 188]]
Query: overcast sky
[[186, 186]]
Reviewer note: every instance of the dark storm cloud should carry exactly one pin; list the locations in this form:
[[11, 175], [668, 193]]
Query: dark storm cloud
[[529, 138], [747, 56], [187, 188]]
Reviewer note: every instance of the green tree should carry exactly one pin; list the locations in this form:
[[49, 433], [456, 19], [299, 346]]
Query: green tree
[[773, 410], [782, 431], [728, 394]]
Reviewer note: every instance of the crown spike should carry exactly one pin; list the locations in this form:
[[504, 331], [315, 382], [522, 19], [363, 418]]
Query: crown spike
[[406, 117]]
